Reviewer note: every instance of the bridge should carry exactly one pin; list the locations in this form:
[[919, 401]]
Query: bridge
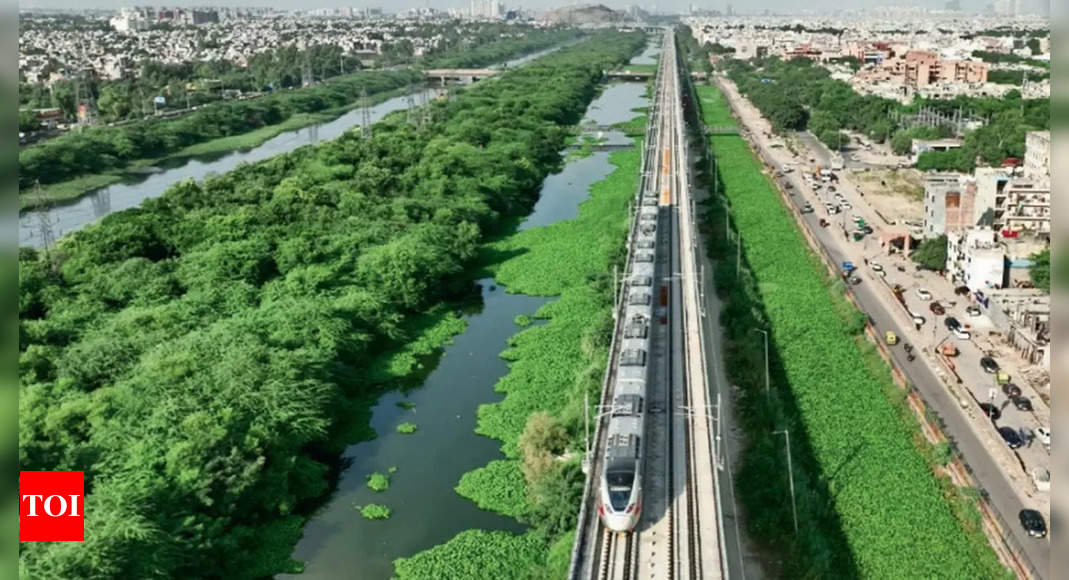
[[679, 531], [459, 74]]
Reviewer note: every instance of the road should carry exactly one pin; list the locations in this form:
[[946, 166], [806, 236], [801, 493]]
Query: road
[[980, 452]]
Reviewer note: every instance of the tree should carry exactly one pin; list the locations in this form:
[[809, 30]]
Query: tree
[[28, 122], [1039, 271], [932, 253]]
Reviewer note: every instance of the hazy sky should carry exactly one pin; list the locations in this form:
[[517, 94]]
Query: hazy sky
[[740, 6]]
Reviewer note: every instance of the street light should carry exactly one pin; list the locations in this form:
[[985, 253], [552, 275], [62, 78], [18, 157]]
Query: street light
[[790, 474], [767, 379]]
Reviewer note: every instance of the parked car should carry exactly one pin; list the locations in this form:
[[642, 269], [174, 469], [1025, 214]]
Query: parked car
[[1010, 436], [918, 320], [855, 280], [989, 365], [924, 294], [876, 267], [1043, 434], [972, 310], [962, 291], [992, 411], [951, 323], [1022, 403], [1011, 390], [1032, 522], [960, 333], [807, 208], [937, 308]]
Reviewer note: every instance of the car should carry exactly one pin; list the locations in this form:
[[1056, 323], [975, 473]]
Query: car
[[891, 338], [1043, 434], [1011, 390], [962, 291], [807, 208], [1032, 522], [846, 205], [1010, 436], [831, 188], [961, 333], [992, 411], [788, 185], [924, 294], [918, 320], [1022, 403], [989, 365], [855, 280], [972, 310], [937, 309], [951, 323]]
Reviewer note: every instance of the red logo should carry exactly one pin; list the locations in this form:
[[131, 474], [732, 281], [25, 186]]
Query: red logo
[[51, 506]]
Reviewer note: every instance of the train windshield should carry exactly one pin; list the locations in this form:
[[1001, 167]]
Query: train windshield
[[620, 483]]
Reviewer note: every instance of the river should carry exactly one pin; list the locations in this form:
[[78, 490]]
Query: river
[[68, 217], [337, 541]]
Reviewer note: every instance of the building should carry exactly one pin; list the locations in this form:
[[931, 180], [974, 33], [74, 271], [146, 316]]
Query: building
[[976, 259], [1037, 155], [199, 17], [1022, 206], [1023, 316]]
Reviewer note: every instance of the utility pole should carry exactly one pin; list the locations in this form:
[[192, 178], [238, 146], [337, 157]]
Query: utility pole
[[45, 222], [768, 380], [790, 476]]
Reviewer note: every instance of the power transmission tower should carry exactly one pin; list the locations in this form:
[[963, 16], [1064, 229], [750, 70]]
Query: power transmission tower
[[410, 106], [365, 114], [45, 222]]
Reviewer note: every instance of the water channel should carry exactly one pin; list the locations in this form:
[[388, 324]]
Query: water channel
[[68, 217], [337, 541]]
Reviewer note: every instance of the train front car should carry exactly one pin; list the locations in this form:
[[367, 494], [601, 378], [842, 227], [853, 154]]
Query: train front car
[[620, 504]]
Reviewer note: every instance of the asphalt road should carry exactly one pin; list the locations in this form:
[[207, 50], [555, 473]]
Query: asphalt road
[[985, 469]]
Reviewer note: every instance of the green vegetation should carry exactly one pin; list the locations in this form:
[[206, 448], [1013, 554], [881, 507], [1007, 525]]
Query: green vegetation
[[931, 254], [378, 482], [825, 106], [1015, 77], [523, 320], [374, 511], [1039, 271], [407, 428], [66, 190], [1009, 58], [551, 367], [201, 357], [869, 505], [474, 554], [239, 124]]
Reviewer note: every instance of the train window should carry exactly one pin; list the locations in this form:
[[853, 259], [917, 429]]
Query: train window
[[648, 228], [636, 329], [638, 299], [633, 357], [644, 257], [641, 281], [645, 244], [648, 217], [649, 201]]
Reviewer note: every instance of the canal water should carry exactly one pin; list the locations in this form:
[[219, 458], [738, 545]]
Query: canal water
[[337, 541], [68, 217]]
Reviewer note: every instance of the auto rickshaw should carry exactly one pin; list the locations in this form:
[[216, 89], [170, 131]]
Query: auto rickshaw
[[1002, 378], [891, 338]]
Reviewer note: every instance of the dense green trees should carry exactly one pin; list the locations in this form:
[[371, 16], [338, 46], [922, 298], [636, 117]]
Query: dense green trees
[[1039, 271], [931, 253], [824, 106], [105, 148], [198, 357]]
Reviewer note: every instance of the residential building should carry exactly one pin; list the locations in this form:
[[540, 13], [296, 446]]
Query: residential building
[[1023, 316], [976, 259], [1037, 155], [1023, 206]]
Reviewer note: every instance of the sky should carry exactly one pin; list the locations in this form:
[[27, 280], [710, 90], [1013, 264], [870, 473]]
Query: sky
[[740, 6]]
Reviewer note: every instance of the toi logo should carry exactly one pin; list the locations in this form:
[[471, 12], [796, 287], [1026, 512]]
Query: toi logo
[[51, 506]]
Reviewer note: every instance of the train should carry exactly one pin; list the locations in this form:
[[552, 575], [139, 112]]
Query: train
[[620, 493]]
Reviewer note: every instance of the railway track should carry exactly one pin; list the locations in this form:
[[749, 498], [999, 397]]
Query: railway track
[[670, 539]]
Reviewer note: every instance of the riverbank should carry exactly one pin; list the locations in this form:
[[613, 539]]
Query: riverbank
[[72, 189], [552, 367]]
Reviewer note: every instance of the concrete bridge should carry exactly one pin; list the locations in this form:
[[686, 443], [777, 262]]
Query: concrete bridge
[[459, 74]]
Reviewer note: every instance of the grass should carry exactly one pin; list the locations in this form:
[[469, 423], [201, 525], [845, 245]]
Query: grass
[[378, 482], [523, 320], [474, 554], [407, 428], [67, 190], [256, 136], [374, 511], [869, 503]]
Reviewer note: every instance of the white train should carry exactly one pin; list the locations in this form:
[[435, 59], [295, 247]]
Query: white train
[[620, 494]]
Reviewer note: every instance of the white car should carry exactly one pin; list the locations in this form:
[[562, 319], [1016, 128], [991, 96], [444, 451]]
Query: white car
[[877, 267], [924, 294], [1043, 434], [846, 205], [961, 333]]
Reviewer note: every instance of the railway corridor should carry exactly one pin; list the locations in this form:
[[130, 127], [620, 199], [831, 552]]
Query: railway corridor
[[678, 534]]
